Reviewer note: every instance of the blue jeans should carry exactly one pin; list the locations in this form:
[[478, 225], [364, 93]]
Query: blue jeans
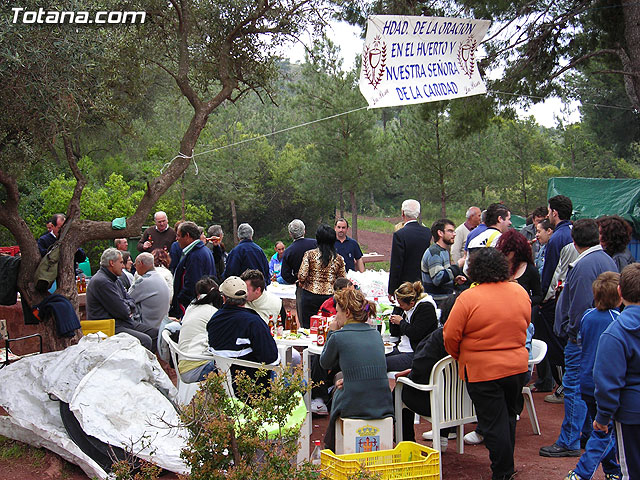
[[601, 448], [575, 410]]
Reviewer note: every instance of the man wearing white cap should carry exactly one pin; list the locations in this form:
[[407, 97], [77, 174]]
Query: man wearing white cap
[[239, 332]]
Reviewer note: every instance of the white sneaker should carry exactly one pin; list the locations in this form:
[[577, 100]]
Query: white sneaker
[[318, 407], [429, 435], [473, 438]]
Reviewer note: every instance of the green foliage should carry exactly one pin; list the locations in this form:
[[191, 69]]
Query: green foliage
[[227, 439], [123, 470]]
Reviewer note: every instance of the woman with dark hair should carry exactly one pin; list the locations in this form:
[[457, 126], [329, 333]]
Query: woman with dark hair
[[161, 262], [194, 338], [486, 332], [615, 235], [320, 267], [517, 249], [127, 277]]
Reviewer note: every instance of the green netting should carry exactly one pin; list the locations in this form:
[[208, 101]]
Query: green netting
[[595, 197]]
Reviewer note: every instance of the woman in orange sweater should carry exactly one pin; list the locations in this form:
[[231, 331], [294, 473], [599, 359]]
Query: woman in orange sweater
[[486, 333]]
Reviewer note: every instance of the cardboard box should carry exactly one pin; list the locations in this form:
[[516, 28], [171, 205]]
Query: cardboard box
[[358, 436]]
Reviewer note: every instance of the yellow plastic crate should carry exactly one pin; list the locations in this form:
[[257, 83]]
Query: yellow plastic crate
[[407, 461]]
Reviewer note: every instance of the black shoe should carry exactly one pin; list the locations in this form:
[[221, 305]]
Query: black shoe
[[556, 450], [583, 442]]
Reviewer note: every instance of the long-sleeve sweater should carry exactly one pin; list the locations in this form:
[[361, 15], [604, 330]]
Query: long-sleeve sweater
[[594, 323], [247, 255], [437, 272], [616, 372], [359, 352], [151, 294], [107, 298], [487, 329], [577, 295]]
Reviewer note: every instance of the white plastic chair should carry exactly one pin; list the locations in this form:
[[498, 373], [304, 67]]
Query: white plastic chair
[[451, 405], [186, 391], [538, 351]]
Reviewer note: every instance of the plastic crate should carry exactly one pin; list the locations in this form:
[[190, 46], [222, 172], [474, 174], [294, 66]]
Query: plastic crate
[[407, 461], [13, 251]]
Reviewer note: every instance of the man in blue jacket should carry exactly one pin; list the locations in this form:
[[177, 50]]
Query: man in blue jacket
[[575, 299], [247, 255], [616, 375], [195, 263], [235, 331], [559, 253]]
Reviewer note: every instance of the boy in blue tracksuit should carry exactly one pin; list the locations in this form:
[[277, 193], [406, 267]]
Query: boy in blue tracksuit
[[616, 375], [601, 446]]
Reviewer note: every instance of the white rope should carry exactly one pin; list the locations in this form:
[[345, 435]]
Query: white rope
[[266, 135], [278, 132], [180, 155]]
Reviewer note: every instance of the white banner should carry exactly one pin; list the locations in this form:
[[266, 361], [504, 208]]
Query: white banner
[[420, 59]]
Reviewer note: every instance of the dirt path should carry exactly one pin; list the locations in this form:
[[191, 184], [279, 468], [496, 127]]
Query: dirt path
[[375, 242]]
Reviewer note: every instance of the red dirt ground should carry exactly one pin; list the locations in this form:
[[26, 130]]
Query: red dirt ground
[[472, 465]]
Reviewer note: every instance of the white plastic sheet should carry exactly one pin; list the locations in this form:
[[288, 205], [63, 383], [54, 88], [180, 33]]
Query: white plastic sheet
[[113, 387]]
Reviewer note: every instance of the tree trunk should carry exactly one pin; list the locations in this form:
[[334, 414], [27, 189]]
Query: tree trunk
[[182, 209], [354, 215], [234, 220], [630, 56], [341, 202]]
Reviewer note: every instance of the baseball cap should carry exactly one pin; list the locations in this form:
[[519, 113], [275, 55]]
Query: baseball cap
[[234, 287]]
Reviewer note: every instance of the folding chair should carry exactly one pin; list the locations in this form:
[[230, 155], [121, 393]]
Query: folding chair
[[6, 355]]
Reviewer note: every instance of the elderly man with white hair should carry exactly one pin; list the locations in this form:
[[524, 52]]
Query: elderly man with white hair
[[161, 235], [292, 256], [408, 247], [107, 298], [150, 292], [474, 217], [247, 255]]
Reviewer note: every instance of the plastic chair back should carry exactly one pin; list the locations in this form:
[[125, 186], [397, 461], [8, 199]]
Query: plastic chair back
[[186, 391], [538, 351]]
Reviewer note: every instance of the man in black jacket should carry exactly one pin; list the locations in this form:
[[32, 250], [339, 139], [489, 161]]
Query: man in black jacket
[[408, 247], [292, 256]]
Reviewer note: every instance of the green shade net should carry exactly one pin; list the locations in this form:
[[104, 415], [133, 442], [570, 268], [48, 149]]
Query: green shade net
[[595, 197]]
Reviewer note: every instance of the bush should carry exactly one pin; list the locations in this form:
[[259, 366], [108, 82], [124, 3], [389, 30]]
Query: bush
[[227, 438]]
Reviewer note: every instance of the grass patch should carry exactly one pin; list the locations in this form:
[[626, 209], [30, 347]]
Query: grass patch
[[377, 266], [37, 456], [10, 449], [375, 225]]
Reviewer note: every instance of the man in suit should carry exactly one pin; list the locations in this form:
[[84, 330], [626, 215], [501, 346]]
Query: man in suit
[[408, 247], [292, 257]]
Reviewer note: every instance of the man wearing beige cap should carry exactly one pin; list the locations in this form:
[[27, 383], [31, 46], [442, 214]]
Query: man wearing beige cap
[[239, 332]]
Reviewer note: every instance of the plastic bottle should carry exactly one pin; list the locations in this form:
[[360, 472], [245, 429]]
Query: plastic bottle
[[315, 455]]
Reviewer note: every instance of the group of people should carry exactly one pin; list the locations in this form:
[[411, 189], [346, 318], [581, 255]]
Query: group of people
[[491, 284]]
